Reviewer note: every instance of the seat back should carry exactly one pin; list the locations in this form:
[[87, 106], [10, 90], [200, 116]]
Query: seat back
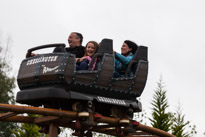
[[140, 54], [138, 68], [105, 64], [106, 46]]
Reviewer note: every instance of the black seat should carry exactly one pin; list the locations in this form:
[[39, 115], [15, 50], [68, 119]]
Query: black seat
[[140, 54], [135, 76]]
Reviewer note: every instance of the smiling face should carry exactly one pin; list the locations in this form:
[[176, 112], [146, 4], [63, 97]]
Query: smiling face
[[73, 40], [90, 49], [125, 49]]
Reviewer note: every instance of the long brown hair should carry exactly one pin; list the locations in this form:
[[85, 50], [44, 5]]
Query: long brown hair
[[96, 46]]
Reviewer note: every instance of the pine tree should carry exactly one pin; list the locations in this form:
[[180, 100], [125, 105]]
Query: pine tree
[[168, 121], [180, 127], [161, 119]]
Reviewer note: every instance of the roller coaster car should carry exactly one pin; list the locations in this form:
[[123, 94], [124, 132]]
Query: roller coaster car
[[52, 80]]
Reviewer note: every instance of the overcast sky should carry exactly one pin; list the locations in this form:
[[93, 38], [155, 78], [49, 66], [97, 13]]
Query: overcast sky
[[173, 30]]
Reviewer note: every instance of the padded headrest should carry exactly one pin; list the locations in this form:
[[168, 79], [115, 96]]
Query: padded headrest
[[106, 46], [141, 53]]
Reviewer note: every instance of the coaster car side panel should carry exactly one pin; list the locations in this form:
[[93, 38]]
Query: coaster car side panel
[[141, 78], [46, 69], [107, 66]]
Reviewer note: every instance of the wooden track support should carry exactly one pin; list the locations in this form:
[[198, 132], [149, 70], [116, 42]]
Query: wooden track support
[[55, 118]]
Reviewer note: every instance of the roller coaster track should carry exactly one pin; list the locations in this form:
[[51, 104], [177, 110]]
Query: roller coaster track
[[55, 118]]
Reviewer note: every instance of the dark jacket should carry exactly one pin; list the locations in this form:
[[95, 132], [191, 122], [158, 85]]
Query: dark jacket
[[78, 51]]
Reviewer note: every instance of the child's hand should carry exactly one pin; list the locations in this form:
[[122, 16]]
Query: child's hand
[[81, 59]]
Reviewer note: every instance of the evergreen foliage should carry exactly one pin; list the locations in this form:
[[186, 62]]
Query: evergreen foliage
[[168, 121], [180, 127], [161, 119]]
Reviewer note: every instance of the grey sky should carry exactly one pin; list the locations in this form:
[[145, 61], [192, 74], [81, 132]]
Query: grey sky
[[172, 29]]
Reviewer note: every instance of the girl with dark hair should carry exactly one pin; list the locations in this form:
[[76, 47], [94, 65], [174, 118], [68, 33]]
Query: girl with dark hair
[[128, 50]]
